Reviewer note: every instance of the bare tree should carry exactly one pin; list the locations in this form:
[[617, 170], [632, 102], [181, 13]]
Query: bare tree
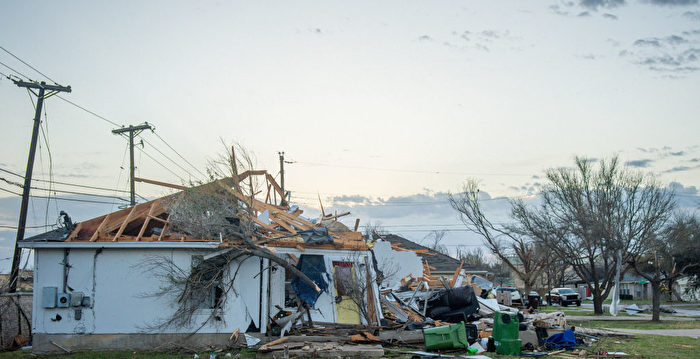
[[662, 262], [374, 230], [558, 274], [433, 239], [588, 216], [221, 209], [525, 257], [687, 234], [500, 274], [472, 257], [360, 287]]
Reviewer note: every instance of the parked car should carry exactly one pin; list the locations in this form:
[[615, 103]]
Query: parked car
[[563, 296], [515, 295]]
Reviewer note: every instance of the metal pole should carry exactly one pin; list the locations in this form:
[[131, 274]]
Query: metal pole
[[284, 194], [131, 167]]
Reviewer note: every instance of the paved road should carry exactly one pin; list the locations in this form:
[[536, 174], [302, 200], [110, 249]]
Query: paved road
[[693, 333], [687, 311], [587, 318]]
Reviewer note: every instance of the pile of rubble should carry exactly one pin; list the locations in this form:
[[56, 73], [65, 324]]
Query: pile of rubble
[[448, 318]]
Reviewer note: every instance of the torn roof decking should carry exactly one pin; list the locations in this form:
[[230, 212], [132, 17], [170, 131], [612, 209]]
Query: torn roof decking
[[149, 221]]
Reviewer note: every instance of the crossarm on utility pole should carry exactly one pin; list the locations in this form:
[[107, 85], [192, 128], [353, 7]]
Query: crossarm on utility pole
[[21, 225], [133, 131]]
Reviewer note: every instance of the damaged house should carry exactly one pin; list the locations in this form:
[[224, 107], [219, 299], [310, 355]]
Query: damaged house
[[433, 264], [196, 268]]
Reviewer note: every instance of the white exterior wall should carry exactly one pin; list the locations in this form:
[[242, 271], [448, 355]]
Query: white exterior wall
[[119, 287]]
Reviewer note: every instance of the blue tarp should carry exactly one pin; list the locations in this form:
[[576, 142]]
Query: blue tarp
[[314, 267], [565, 340]]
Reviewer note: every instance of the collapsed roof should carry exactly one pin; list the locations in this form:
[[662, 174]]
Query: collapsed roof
[[275, 222]]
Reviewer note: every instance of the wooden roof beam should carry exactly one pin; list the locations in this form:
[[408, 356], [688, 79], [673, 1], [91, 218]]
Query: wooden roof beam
[[158, 183]]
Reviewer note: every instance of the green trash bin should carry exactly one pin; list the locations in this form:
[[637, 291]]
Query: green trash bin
[[448, 337], [505, 333]]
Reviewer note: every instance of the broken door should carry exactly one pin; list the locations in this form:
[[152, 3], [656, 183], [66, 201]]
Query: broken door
[[346, 290]]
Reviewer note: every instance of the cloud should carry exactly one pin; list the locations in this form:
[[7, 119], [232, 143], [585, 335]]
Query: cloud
[[677, 169], [351, 199], [673, 2], [648, 42], [595, 4], [639, 163], [680, 189], [695, 160], [479, 40], [687, 197], [558, 10], [670, 54], [584, 14], [692, 15], [425, 38], [679, 153], [648, 150], [610, 16]]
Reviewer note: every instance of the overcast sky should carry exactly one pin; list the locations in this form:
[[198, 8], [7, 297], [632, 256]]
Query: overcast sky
[[402, 99]]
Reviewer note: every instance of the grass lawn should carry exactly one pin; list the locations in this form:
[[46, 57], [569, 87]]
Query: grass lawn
[[25, 354], [640, 302], [638, 324], [576, 311], [650, 346]]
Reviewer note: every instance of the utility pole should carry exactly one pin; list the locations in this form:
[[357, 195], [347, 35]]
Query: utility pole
[[284, 194], [133, 131], [52, 90]]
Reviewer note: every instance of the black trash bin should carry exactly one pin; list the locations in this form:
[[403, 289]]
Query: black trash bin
[[533, 301]]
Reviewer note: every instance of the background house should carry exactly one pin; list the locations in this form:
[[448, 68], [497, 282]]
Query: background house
[[441, 265]]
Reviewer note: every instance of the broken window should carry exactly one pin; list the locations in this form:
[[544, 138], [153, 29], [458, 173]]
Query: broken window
[[213, 292]]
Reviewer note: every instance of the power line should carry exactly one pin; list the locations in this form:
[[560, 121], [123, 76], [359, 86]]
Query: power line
[[66, 183], [40, 226], [15, 71], [168, 158], [90, 112], [58, 190], [30, 66], [75, 200], [8, 191], [408, 170], [58, 198], [162, 165], [107, 120], [183, 158]]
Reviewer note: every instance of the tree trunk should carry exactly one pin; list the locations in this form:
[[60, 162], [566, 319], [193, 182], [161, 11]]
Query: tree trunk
[[526, 294], [655, 300], [597, 303], [597, 299]]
